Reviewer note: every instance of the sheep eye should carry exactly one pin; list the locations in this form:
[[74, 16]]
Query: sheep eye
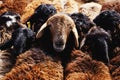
[[92, 7], [70, 27]]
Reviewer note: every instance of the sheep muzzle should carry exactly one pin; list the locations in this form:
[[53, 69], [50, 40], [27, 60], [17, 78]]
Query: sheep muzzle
[[59, 45]]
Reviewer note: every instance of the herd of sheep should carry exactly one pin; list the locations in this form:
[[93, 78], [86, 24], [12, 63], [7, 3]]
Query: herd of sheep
[[59, 40]]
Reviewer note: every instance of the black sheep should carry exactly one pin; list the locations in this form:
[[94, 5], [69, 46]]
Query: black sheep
[[97, 41], [40, 16], [110, 20], [22, 37], [8, 20], [21, 40], [82, 22]]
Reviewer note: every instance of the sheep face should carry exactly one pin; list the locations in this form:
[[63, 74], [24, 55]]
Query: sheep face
[[58, 31], [90, 9], [60, 26], [83, 23], [40, 16], [8, 20], [97, 40]]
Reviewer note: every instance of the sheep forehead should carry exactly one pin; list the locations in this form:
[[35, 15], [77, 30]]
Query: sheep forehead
[[61, 20], [10, 22]]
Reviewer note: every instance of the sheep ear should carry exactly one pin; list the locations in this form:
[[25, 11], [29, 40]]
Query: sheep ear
[[40, 31], [82, 42], [74, 30]]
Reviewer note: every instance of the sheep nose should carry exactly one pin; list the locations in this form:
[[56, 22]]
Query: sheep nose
[[59, 43]]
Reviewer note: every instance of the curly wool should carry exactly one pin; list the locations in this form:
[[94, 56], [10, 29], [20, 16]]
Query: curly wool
[[111, 5], [91, 9], [34, 64], [82, 67], [110, 20], [13, 5], [6, 63], [115, 67], [30, 8], [82, 22], [4, 36], [40, 16]]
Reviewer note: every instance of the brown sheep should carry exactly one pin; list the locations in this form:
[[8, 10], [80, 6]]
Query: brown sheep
[[34, 64], [58, 35], [82, 67], [63, 25], [60, 26]]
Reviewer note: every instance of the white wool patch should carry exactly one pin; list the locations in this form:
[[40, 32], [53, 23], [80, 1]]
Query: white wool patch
[[10, 22], [90, 9]]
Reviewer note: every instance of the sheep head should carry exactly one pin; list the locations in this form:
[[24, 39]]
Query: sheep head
[[8, 20], [60, 27], [97, 40], [108, 20], [91, 9]]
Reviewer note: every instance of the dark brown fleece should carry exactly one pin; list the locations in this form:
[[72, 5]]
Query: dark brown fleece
[[82, 67], [36, 65]]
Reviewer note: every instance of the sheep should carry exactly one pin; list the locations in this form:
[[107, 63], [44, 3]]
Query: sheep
[[7, 22], [110, 20], [60, 27], [111, 5], [21, 36], [40, 16], [35, 64], [83, 67], [21, 40], [9, 19], [97, 41], [60, 34], [30, 8], [91, 9], [83, 24]]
